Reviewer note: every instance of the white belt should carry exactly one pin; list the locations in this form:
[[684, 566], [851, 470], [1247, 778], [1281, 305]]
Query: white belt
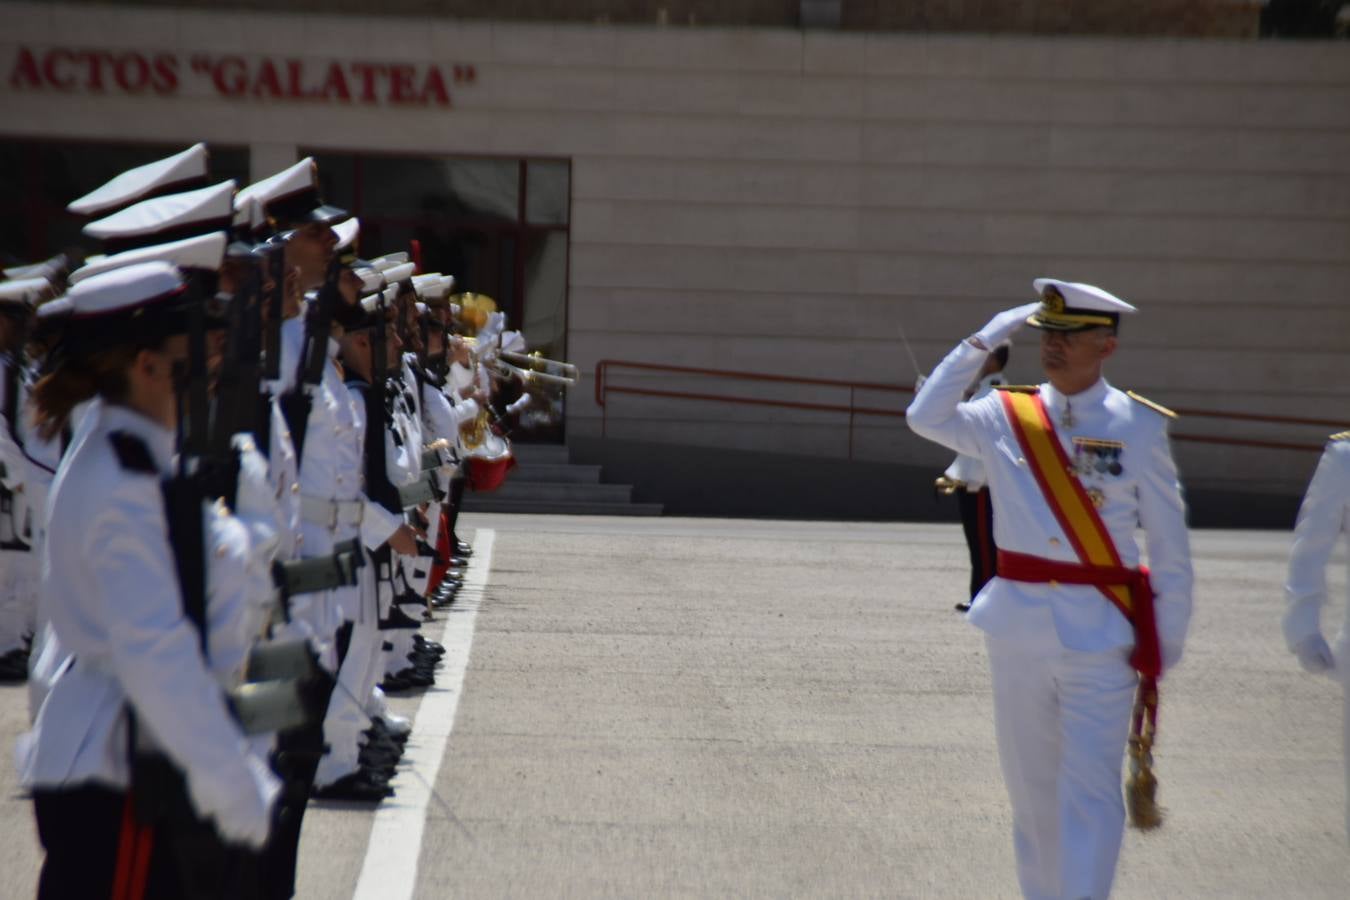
[[331, 513]]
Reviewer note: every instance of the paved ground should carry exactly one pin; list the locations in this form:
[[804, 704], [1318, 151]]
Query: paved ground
[[681, 707]]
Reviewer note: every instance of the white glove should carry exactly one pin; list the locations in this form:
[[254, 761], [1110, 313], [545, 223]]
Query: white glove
[[1314, 655], [246, 816], [1005, 324]]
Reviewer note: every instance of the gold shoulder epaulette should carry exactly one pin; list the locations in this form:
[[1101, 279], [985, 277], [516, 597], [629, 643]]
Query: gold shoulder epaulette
[[1018, 388], [1156, 407], [1341, 436]]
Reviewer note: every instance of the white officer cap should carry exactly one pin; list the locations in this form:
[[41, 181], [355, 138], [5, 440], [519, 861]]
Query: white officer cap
[[389, 260], [291, 197], [371, 279], [165, 219], [176, 173], [347, 232], [1070, 306], [24, 291], [52, 269], [434, 287], [206, 253], [390, 293], [401, 272]]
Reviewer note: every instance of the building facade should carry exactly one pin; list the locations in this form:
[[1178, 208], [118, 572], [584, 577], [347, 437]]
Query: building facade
[[810, 203]]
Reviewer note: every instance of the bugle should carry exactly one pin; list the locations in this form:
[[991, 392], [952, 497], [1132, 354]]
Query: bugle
[[533, 367]]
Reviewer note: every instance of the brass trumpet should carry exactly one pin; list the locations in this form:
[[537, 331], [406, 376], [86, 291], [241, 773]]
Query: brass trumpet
[[528, 367]]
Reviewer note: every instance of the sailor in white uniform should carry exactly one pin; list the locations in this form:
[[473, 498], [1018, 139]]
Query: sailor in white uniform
[[1322, 519], [115, 605], [1059, 654]]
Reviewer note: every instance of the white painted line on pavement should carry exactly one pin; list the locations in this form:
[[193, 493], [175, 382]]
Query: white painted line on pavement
[[390, 868]]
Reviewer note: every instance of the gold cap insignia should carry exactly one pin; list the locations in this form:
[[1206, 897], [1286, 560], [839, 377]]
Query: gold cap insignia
[[1052, 299]]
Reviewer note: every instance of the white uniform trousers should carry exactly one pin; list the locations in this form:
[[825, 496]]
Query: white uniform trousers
[[1343, 676], [1062, 719], [346, 717]]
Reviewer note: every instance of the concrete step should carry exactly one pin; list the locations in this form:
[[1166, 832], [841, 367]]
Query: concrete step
[[493, 503], [542, 454], [556, 473], [564, 491]]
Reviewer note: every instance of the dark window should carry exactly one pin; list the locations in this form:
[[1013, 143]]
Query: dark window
[[500, 226], [38, 178]]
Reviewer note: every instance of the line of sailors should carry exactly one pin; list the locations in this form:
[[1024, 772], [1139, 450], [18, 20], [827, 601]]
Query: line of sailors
[[234, 454]]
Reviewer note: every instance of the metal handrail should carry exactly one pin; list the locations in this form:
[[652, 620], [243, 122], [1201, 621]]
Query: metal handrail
[[603, 389]]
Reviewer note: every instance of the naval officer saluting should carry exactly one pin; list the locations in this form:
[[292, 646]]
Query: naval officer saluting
[[1077, 631]]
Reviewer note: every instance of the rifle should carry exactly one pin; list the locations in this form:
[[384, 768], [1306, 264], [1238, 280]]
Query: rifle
[[378, 486], [296, 403]]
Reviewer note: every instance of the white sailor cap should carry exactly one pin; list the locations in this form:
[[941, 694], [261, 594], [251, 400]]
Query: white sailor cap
[[205, 253], [389, 260], [1070, 306], [166, 219], [26, 292], [420, 307], [400, 272], [433, 288], [291, 197], [142, 302], [347, 232], [179, 172], [390, 294], [51, 269], [371, 279]]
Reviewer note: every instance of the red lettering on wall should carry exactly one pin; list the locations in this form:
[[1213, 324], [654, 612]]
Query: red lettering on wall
[[367, 73], [93, 79], [132, 73], [25, 71], [165, 74], [267, 82], [433, 89], [55, 77], [400, 84], [335, 85]]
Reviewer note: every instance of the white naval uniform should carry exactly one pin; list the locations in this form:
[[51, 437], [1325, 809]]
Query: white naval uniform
[[115, 608], [1322, 518], [1063, 687]]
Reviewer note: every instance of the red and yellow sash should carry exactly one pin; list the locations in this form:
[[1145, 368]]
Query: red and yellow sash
[[1099, 565]]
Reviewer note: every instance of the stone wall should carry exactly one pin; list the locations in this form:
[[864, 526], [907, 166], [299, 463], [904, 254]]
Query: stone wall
[[786, 201]]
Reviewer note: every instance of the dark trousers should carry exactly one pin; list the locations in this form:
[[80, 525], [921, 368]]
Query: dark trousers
[[295, 762], [96, 848], [452, 511], [977, 519]]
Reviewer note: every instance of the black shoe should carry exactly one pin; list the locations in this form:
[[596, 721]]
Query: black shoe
[[410, 598], [430, 646], [14, 666], [358, 787], [461, 548], [459, 562], [963, 607], [393, 684], [415, 677], [398, 619]]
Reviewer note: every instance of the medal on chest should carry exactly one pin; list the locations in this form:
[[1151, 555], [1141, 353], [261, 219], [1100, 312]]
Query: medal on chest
[[1094, 461]]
